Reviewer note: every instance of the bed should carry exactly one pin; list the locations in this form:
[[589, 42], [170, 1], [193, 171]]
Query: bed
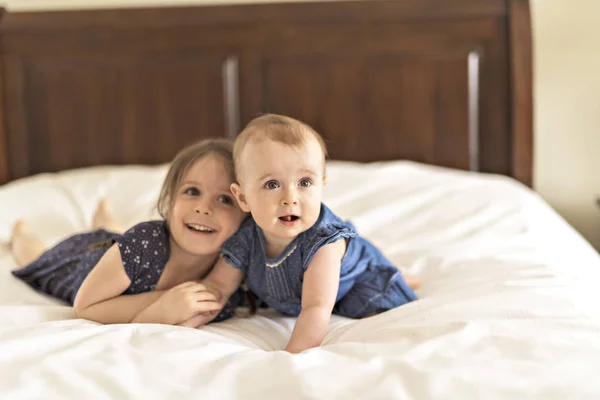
[[426, 107]]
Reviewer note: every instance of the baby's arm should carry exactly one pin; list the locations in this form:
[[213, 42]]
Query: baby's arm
[[223, 280], [319, 291]]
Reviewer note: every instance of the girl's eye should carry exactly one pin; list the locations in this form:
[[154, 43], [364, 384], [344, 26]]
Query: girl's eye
[[305, 182], [192, 191], [226, 200], [271, 185]]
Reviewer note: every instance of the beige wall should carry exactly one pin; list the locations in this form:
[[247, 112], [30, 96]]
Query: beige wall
[[567, 99], [567, 108]]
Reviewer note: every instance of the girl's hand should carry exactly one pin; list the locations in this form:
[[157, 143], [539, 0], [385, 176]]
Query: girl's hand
[[185, 301], [204, 318], [199, 319]]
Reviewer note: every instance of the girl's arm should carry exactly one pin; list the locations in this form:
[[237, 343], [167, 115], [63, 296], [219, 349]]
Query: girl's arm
[[319, 291], [101, 298], [98, 298]]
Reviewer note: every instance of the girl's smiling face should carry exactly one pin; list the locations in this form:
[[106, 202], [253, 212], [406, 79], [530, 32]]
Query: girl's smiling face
[[204, 213]]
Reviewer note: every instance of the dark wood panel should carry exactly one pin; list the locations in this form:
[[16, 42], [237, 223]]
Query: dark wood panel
[[414, 36], [521, 70], [93, 110], [16, 121], [330, 12], [124, 42], [494, 113], [400, 96], [452, 141], [384, 92], [4, 171], [379, 107], [426, 38]]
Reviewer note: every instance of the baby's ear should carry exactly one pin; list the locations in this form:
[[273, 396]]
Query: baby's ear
[[324, 180], [239, 196]]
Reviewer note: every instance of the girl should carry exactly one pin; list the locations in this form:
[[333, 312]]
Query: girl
[[148, 274], [297, 256]]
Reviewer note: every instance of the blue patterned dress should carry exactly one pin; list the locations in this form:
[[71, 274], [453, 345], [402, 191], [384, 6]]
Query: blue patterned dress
[[144, 249], [369, 282]]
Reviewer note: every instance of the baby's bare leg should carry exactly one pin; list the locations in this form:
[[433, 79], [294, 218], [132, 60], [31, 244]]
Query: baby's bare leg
[[103, 218], [412, 281], [26, 246]]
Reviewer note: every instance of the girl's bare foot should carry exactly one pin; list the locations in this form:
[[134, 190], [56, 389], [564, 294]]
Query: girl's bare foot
[[25, 245], [103, 218]]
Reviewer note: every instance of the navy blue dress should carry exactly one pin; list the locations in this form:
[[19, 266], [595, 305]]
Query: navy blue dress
[[369, 282], [144, 249]]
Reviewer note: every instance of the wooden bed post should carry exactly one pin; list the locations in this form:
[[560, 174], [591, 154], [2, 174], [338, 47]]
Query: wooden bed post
[[3, 145], [521, 63]]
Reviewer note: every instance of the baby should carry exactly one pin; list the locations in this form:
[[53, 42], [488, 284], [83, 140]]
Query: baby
[[294, 253]]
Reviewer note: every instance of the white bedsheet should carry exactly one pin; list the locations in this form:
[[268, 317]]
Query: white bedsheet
[[509, 305]]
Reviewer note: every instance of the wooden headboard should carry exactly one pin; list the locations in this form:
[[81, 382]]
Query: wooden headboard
[[436, 81]]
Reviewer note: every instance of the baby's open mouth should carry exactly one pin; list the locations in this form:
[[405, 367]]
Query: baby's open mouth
[[289, 218]]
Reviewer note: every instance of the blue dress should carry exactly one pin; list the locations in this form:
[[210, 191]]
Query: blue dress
[[369, 282], [144, 249]]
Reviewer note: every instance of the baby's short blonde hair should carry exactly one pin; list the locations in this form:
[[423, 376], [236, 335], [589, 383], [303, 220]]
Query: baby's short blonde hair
[[278, 128]]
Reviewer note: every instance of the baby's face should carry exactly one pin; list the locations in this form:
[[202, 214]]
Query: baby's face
[[282, 186]]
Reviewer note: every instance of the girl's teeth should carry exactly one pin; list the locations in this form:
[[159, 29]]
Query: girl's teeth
[[201, 228]]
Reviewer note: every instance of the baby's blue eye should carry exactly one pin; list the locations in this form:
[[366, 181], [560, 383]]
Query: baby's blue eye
[[305, 182], [271, 185], [192, 191]]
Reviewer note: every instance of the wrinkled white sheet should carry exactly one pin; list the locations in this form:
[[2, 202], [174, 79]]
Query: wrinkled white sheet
[[509, 305]]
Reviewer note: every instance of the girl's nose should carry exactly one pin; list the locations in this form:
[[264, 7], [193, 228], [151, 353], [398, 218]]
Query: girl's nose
[[203, 207]]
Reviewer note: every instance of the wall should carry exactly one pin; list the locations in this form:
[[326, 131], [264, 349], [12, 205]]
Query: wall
[[567, 109], [567, 99]]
